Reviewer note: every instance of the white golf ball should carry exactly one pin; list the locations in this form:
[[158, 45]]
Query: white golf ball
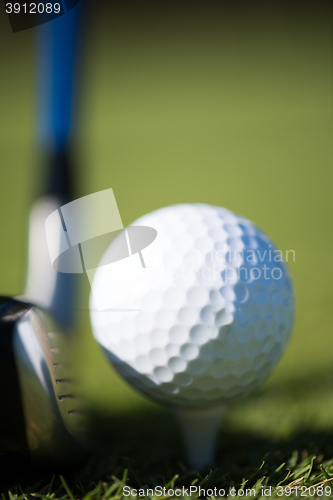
[[212, 318]]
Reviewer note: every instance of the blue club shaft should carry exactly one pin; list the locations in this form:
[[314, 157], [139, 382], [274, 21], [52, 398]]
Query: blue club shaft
[[58, 50], [58, 61]]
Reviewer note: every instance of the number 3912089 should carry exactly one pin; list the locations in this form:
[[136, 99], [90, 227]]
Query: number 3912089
[[33, 8]]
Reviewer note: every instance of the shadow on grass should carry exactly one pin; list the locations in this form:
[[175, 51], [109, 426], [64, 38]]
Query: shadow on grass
[[150, 446], [147, 443]]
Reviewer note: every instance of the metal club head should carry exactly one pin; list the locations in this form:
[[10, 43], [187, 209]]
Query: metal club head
[[40, 410]]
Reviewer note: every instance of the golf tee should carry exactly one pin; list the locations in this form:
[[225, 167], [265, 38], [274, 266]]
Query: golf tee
[[200, 429]]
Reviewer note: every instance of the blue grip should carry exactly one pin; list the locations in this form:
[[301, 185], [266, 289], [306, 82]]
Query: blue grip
[[58, 46]]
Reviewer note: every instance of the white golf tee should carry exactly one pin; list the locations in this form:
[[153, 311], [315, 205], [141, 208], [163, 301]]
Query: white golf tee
[[200, 429]]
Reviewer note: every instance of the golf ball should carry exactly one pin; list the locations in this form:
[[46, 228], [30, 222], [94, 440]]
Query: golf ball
[[211, 321]]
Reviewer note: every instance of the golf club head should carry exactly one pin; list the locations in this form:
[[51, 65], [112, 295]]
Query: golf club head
[[40, 411]]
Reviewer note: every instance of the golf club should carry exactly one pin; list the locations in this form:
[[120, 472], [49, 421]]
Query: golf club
[[41, 415]]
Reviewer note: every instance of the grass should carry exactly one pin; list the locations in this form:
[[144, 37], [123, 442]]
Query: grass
[[233, 109], [299, 474], [142, 449]]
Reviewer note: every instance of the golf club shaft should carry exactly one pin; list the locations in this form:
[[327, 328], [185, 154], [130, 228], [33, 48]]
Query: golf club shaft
[[58, 48]]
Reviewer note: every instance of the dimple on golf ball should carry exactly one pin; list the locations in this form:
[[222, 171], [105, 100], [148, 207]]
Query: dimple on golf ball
[[210, 321]]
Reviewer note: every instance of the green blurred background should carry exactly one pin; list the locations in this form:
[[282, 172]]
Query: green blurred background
[[224, 104]]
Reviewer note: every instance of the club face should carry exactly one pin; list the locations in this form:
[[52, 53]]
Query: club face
[[38, 387]]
